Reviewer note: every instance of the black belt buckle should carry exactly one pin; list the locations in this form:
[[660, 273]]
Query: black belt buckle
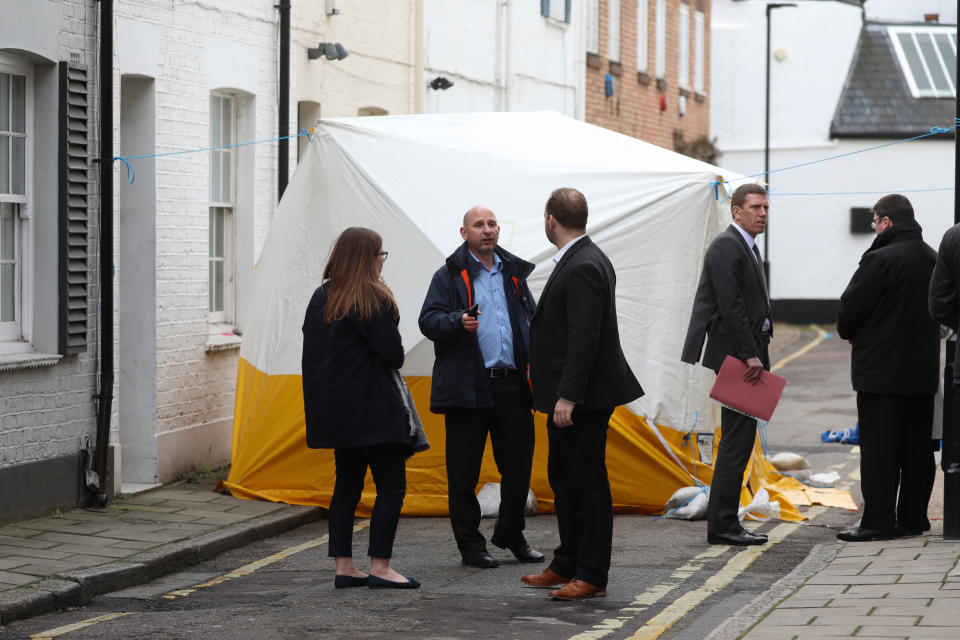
[[500, 372]]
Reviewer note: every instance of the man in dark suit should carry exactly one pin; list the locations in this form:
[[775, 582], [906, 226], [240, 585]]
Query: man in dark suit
[[579, 376], [731, 311], [895, 367]]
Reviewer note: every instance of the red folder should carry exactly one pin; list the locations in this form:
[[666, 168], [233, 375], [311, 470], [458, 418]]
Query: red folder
[[755, 400]]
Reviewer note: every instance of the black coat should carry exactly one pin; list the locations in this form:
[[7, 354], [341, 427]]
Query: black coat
[[883, 313], [350, 398], [458, 380], [945, 282], [730, 305], [574, 339]]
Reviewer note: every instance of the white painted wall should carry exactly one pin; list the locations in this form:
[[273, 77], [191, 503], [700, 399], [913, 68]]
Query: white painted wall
[[812, 252], [911, 10], [502, 55]]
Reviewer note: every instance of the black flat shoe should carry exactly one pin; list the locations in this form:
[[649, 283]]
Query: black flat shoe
[[345, 582], [524, 552], [903, 532], [859, 534], [480, 560], [380, 583], [740, 539]]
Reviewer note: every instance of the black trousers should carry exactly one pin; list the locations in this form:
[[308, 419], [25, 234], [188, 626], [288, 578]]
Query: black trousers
[[738, 434], [510, 425], [387, 463], [577, 469], [894, 454]]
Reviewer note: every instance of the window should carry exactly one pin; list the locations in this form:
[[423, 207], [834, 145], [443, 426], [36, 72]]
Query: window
[[222, 199], [661, 36], [613, 31], [683, 43], [556, 9], [593, 26], [928, 59], [642, 36], [698, 51], [14, 152]]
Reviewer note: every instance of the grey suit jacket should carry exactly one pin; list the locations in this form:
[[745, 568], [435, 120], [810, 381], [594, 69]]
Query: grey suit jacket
[[730, 305]]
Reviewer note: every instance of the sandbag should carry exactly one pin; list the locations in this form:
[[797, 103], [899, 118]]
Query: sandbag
[[688, 503], [785, 461], [760, 508], [489, 499]]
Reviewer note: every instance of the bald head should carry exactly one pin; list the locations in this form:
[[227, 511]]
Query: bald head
[[481, 232]]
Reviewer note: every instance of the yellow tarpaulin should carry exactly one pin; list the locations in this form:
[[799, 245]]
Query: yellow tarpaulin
[[272, 462]]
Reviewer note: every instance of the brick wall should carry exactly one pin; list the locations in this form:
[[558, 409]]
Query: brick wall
[[635, 107], [46, 411]]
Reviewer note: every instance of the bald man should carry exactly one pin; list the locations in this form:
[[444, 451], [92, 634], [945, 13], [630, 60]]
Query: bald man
[[477, 313]]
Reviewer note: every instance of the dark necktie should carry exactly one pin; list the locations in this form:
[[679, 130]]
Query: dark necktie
[[756, 252]]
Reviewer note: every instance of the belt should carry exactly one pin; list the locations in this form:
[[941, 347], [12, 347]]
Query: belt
[[500, 372]]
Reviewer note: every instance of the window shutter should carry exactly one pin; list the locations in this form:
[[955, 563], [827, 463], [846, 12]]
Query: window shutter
[[73, 212], [545, 8], [567, 14]]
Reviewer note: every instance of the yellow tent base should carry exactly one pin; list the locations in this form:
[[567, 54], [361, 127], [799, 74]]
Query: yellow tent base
[[272, 462]]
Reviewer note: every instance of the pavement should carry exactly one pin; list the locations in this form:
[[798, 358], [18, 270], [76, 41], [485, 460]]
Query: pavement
[[68, 558], [901, 588]]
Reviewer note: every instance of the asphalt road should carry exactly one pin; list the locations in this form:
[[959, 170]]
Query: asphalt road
[[667, 582]]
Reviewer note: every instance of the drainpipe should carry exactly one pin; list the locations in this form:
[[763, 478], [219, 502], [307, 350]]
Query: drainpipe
[[283, 150], [105, 396]]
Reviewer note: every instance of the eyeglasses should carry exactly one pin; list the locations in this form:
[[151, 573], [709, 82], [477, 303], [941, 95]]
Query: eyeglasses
[[876, 221], [383, 253]]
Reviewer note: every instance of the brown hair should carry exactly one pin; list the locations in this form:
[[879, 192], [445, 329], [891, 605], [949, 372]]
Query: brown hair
[[569, 207], [740, 195], [355, 286], [894, 206]]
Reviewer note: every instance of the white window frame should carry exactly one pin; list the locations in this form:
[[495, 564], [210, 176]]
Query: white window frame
[[228, 205], [15, 336], [699, 51], [593, 26], [683, 46], [613, 30], [643, 35], [924, 31], [661, 39]]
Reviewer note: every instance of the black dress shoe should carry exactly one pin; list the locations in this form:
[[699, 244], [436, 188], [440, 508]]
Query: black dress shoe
[[739, 539], [523, 552], [480, 560], [859, 534], [346, 582], [381, 583], [903, 532]]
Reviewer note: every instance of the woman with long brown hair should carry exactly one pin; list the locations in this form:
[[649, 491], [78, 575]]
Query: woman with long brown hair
[[352, 402]]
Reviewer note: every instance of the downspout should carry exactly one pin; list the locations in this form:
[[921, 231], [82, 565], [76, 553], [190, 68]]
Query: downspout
[[508, 55], [105, 396], [283, 150]]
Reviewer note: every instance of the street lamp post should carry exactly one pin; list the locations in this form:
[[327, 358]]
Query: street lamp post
[[766, 143]]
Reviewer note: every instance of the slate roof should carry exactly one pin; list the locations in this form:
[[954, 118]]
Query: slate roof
[[876, 101]]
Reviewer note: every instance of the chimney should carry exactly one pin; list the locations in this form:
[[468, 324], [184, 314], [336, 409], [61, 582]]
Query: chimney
[[931, 18]]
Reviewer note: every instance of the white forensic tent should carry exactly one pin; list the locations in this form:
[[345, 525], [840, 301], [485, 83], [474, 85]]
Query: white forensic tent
[[411, 178]]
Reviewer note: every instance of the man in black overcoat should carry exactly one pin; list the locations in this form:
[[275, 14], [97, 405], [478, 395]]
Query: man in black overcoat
[[579, 375], [894, 368], [731, 311]]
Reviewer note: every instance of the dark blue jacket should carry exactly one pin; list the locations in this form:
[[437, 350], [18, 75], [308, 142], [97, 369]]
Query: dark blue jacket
[[458, 371]]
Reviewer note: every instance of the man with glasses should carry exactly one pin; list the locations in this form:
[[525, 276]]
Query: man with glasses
[[477, 313], [894, 370]]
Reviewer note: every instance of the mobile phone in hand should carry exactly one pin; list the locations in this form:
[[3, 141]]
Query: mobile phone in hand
[[472, 311]]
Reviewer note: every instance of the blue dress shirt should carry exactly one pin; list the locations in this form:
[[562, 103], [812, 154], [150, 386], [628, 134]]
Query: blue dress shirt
[[494, 333]]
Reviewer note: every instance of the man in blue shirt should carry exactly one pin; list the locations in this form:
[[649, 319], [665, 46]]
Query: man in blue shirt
[[480, 382]]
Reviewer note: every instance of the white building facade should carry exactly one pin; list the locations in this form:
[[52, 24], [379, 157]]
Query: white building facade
[[504, 55], [812, 248]]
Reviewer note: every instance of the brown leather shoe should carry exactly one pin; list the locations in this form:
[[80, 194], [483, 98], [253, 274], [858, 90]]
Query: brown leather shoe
[[577, 590], [546, 580]]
